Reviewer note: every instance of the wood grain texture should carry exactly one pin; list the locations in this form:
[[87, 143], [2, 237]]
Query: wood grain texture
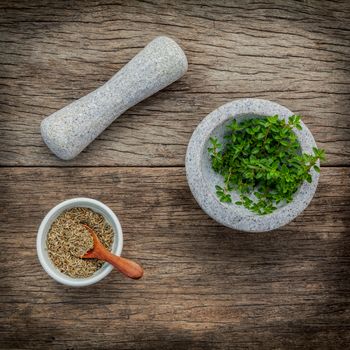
[[205, 286], [53, 52]]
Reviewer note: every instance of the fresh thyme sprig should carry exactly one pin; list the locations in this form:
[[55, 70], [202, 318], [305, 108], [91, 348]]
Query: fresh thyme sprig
[[263, 162]]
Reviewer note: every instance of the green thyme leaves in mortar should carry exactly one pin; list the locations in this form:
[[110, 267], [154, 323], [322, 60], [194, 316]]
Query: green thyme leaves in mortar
[[263, 162]]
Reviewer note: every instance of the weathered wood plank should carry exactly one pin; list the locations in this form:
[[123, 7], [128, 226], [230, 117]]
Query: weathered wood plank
[[205, 287], [52, 52]]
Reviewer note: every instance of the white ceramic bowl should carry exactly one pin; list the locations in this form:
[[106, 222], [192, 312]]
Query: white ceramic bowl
[[46, 262]]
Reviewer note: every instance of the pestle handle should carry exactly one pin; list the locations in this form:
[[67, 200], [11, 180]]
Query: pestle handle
[[69, 130]]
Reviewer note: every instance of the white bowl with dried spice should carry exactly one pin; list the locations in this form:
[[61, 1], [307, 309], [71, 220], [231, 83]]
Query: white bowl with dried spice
[[61, 237]]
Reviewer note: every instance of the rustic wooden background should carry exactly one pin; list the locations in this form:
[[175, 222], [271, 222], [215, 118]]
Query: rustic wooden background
[[205, 287]]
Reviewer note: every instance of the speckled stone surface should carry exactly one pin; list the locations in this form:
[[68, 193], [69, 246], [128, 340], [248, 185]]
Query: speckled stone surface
[[202, 179], [68, 131]]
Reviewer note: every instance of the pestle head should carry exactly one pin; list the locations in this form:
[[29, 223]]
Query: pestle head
[[68, 131]]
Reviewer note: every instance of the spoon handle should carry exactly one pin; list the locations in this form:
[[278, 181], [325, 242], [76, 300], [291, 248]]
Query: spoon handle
[[127, 267]]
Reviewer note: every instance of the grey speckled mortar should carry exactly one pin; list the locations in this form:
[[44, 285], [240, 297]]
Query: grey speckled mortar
[[202, 179], [68, 131]]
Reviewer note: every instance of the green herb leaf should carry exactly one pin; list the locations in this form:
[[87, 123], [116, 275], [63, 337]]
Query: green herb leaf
[[262, 161]]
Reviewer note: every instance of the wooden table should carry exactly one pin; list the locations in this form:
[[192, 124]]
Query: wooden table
[[205, 286]]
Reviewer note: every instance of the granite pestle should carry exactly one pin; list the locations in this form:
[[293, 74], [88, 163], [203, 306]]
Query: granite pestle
[[69, 130]]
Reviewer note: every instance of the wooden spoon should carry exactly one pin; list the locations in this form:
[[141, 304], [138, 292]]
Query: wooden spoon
[[125, 266]]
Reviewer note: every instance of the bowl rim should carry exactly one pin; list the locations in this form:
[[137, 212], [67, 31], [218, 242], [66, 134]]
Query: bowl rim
[[50, 269], [223, 213]]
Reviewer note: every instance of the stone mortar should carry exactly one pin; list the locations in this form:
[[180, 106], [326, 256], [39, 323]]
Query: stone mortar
[[68, 131], [202, 179]]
